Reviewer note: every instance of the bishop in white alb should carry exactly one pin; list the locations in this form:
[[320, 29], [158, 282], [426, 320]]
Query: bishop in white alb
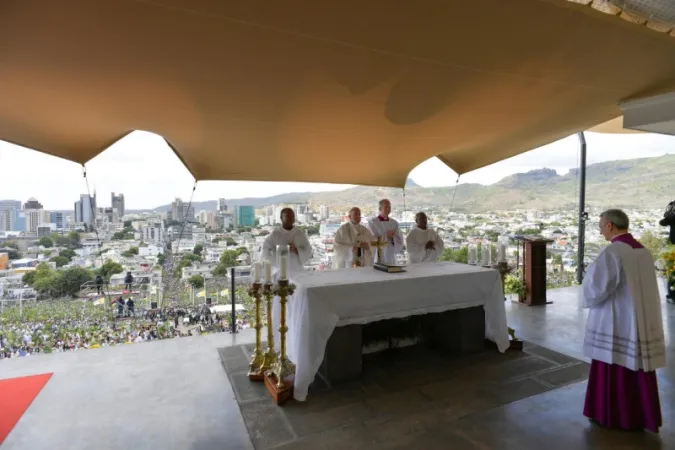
[[349, 237], [624, 332]]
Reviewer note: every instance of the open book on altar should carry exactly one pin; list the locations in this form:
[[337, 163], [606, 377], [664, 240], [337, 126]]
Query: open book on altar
[[387, 268]]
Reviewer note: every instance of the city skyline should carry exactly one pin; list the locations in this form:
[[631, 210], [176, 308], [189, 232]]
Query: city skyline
[[154, 176]]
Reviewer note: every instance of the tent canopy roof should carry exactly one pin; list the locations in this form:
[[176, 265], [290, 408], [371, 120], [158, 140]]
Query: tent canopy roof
[[340, 92]]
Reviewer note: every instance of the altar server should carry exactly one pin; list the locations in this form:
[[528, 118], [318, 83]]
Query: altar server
[[288, 233], [423, 244], [624, 332], [351, 239], [386, 228]]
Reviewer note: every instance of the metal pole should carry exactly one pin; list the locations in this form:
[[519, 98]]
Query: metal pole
[[233, 329], [582, 207]]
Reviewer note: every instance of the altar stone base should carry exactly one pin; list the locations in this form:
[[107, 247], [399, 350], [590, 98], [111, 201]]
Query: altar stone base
[[455, 332]]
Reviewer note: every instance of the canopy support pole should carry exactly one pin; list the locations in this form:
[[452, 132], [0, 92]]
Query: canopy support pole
[[583, 215]]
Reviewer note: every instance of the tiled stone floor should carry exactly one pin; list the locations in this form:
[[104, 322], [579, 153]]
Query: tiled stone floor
[[174, 394], [400, 392]]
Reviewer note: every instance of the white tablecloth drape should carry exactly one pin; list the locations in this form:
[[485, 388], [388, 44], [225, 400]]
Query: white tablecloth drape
[[326, 299]]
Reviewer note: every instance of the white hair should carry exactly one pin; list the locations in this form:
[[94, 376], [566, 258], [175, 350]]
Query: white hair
[[616, 217]]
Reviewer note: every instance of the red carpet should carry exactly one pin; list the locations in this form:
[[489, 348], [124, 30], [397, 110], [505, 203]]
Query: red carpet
[[16, 395]]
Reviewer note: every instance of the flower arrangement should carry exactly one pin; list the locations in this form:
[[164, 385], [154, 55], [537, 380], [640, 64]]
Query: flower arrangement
[[513, 284], [667, 262]]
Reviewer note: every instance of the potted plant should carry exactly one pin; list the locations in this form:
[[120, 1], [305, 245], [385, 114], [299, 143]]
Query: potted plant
[[513, 284]]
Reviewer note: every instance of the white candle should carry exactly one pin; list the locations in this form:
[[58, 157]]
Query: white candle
[[256, 272], [268, 272], [472, 255], [502, 252], [284, 266], [485, 250]]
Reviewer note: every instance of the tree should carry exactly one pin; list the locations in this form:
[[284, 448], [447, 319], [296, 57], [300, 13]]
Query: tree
[[29, 278], [526, 231], [461, 255], [227, 260], [109, 268], [67, 253], [199, 248], [72, 280], [127, 224], [312, 230], [196, 281], [74, 239], [263, 233], [230, 241], [160, 259], [133, 251], [60, 261], [186, 261], [46, 242], [123, 236], [11, 244]]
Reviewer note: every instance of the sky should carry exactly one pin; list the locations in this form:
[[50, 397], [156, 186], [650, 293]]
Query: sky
[[146, 171]]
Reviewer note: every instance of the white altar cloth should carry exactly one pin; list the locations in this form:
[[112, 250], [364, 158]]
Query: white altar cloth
[[326, 299]]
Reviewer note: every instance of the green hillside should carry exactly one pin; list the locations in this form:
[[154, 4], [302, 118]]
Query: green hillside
[[636, 183]]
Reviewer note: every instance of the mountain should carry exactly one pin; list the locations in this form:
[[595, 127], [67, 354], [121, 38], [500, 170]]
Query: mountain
[[633, 184]]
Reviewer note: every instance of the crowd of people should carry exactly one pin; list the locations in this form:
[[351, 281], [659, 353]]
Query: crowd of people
[[75, 325]]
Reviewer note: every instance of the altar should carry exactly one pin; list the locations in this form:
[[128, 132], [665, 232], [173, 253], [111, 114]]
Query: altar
[[326, 300]]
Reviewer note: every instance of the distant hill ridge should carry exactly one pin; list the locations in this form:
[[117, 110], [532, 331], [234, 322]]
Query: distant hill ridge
[[634, 183]]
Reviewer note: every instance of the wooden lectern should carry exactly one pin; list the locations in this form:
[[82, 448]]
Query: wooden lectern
[[534, 269]]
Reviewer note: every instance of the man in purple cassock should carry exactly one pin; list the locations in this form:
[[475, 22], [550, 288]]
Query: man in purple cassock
[[624, 332]]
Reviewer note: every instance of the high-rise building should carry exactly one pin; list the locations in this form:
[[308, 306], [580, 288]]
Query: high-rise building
[[33, 220], [20, 224], [10, 204], [32, 203], [85, 209], [302, 209], [177, 210], [9, 211], [153, 233], [208, 218], [222, 205], [324, 213], [181, 212], [117, 201], [57, 219], [244, 216]]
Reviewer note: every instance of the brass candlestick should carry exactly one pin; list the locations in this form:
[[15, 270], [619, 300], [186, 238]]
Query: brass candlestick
[[254, 372], [283, 367], [504, 269], [270, 356]]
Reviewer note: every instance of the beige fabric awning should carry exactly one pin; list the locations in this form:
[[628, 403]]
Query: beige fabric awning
[[339, 92]]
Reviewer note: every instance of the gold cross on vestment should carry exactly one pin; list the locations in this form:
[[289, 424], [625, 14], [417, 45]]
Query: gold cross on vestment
[[379, 244]]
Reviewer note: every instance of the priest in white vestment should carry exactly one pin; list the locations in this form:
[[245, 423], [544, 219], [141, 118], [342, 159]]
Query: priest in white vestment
[[288, 233], [624, 332], [352, 241], [386, 228], [424, 245]]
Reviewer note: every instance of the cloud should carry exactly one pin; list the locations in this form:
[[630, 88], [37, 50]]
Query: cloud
[[149, 174]]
